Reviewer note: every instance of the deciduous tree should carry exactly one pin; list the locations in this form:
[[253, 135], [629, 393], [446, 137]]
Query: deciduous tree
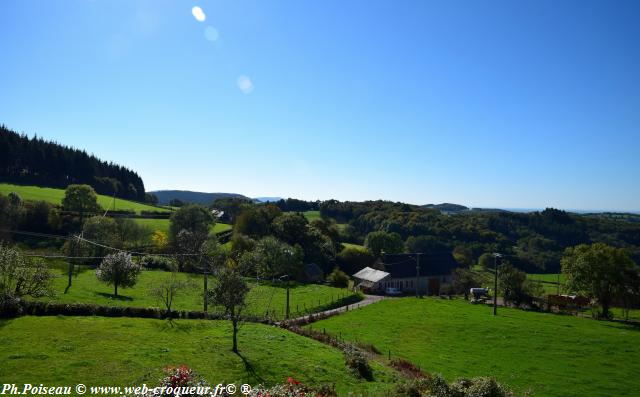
[[601, 272], [380, 241], [230, 292], [81, 199], [118, 270]]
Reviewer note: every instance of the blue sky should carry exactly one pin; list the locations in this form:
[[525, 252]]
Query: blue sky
[[493, 103]]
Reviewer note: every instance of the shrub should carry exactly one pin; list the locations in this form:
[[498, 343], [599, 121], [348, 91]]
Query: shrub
[[338, 278], [157, 262], [358, 363], [180, 381], [154, 214], [479, 387], [436, 386], [415, 388], [292, 388], [20, 276]]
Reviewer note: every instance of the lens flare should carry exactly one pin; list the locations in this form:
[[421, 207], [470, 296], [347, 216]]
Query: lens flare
[[245, 84], [198, 14]]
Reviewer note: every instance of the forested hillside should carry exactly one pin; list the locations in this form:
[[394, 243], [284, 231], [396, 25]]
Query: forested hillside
[[532, 241], [186, 196], [34, 161]]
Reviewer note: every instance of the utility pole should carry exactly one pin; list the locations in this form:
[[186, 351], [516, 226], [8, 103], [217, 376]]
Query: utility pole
[[495, 282], [418, 275], [206, 283], [286, 276]]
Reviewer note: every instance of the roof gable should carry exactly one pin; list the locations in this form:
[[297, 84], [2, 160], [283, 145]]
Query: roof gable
[[372, 275]]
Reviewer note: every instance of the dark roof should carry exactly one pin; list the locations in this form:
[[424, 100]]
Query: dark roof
[[404, 265]]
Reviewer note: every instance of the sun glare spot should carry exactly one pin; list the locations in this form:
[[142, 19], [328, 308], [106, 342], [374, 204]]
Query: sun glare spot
[[245, 84], [198, 14], [211, 33]]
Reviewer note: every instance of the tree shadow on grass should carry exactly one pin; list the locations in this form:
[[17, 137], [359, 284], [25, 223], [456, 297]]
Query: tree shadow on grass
[[116, 298], [250, 369], [5, 322], [174, 325], [630, 325]]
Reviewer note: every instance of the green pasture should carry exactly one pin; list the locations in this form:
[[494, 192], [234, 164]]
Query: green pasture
[[163, 225], [99, 351], [311, 215], [263, 297], [541, 354], [55, 196]]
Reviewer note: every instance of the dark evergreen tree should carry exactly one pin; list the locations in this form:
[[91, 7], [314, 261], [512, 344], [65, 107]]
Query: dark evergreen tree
[[34, 161]]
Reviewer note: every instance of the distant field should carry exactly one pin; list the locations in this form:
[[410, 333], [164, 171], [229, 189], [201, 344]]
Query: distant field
[[311, 215], [549, 282], [55, 196], [548, 277], [99, 351], [86, 288], [546, 354], [349, 245], [163, 225]]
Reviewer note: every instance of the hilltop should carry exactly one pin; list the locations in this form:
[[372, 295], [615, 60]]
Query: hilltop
[[188, 196]]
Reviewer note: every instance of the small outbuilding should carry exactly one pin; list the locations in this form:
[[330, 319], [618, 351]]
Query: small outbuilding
[[370, 279]]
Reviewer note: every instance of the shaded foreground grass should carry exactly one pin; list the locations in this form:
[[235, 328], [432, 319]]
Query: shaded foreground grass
[[55, 196], [263, 297], [546, 354], [124, 351]]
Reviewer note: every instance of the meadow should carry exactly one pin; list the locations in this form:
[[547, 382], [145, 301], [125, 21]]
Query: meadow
[[312, 215], [351, 245], [55, 196], [98, 351], [263, 297], [163, 225], [540, 353]]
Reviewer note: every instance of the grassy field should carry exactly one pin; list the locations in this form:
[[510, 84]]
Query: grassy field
[[548, 277], [546, 354], [98, 351], [350, 245], [55, 196], [87, 289], [311, 215], [163, 225]]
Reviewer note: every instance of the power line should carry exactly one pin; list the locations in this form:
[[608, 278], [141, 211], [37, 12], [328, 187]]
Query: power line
[[79, 237]]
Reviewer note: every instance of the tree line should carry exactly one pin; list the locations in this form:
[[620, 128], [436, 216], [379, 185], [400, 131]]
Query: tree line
[[35, 161], [534, 241]]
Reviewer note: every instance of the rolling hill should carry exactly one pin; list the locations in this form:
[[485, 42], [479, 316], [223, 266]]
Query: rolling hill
[[187, 196], [55, 196]]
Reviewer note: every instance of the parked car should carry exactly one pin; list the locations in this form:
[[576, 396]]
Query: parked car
[[393, 291], [479, 295]]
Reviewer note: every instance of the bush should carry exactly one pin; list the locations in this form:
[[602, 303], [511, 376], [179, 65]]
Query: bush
[[292, 388], [21, 276], [354, 259], [338, 278], [155, 214], [358, 363], [436, 386], [156, 262], [180, 381], [479, 387]]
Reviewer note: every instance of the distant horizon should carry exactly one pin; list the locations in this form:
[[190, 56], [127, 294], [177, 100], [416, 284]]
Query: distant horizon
[[512, 209]]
